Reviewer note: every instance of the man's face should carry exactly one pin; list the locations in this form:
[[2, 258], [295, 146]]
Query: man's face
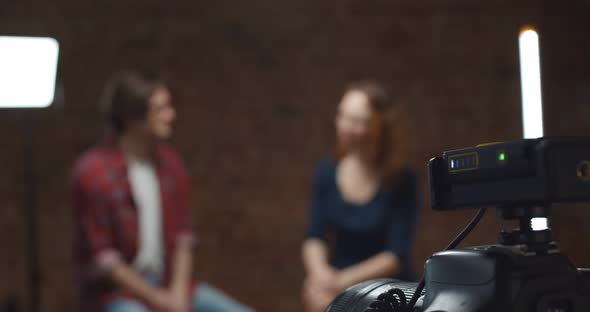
[[161, 114]]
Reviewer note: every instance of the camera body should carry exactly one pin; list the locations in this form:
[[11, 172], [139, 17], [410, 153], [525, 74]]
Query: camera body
[[501, 278], [485, 279], [525, 271]]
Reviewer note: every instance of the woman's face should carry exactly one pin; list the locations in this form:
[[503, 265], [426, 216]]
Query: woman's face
[[352, 119]]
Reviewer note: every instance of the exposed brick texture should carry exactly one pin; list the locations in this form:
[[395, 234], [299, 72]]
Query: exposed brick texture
[[255, 84]]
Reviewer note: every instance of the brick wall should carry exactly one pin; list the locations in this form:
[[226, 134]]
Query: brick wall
[[255, 84]]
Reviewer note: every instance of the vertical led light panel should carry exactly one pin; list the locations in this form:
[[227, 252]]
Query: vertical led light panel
[[530, 82]]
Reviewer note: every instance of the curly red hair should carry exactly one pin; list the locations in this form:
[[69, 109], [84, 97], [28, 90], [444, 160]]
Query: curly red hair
[[385, 146]]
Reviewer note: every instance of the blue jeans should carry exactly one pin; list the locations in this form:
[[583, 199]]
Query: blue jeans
[[205, 299]]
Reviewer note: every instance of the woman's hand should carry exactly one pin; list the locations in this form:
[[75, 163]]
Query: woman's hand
[[317, 301], [325, 279], [320, 288]]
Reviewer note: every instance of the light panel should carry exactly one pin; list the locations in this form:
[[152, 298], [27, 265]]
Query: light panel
[[530, 81], [28, 70]]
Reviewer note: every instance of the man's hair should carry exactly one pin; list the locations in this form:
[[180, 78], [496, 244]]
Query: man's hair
[[126, 97]]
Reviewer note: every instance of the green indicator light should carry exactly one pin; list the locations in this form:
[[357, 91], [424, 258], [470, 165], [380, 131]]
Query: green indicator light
[[502, 156]]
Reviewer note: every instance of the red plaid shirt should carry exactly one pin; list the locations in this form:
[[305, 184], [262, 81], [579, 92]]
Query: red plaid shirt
[[106, 219]]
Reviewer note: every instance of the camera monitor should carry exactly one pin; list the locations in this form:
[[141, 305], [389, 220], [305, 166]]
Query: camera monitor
[[531, 172]]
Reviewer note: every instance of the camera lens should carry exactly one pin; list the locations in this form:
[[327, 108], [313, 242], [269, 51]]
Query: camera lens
[[375, 295]]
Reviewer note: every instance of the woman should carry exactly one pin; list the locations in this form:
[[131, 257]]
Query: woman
[[365, 199]]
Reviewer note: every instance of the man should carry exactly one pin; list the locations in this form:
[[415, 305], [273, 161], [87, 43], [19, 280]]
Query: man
[[130, 197]]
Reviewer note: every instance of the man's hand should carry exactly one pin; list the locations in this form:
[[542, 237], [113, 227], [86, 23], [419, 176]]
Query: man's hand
[[161, 299], [181, 297], [170, 301]]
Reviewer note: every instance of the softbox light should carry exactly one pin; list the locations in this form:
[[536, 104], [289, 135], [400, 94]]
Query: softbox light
[[28, 70]]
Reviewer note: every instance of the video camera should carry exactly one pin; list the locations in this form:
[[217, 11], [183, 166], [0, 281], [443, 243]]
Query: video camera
[[525, 271]]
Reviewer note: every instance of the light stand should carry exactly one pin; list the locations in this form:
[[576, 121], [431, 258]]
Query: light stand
[[27, 81]]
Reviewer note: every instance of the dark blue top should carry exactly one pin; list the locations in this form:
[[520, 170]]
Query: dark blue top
[[385, 223]]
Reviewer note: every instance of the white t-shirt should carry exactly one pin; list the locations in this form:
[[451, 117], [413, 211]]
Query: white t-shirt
[[146, 193]]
